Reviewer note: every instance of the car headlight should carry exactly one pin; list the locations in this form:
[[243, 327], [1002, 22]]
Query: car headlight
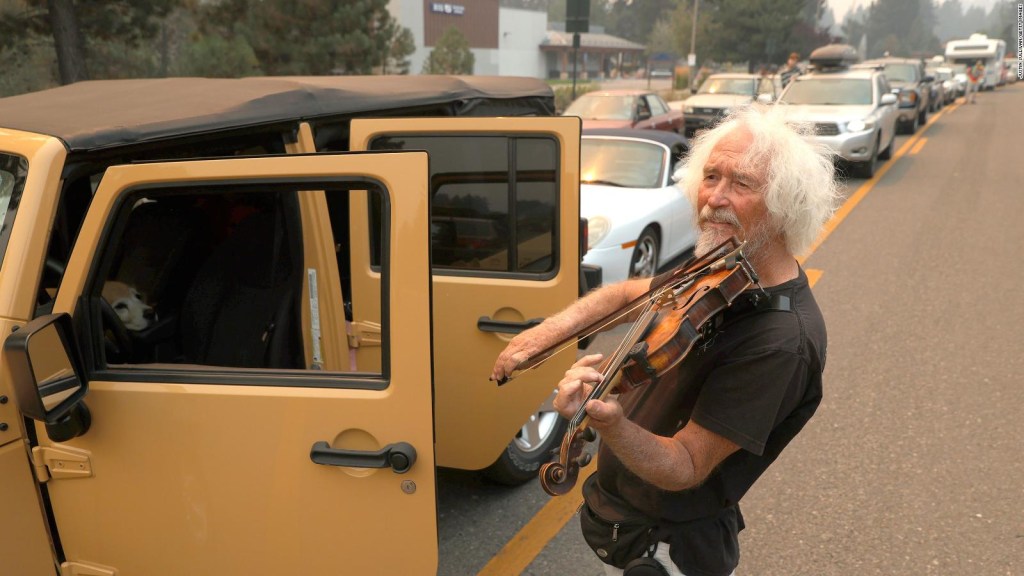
[[860, 125], [597, 229], [688, 110], [908, 96]]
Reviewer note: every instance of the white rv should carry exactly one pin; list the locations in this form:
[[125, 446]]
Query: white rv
[[979, 47]]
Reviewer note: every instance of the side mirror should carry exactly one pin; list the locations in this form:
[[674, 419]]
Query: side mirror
[[765, 98], [642, 114], [693, 90], [889, 99], [929, 79], [47, 375]]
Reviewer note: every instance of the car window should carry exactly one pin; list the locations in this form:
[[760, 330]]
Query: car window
[[493, 201], [739, 86], [13, 170], [602, 107], [766, 86], [657, 105], [829, 91], [643, 107], [902, 72], [626, 163], [883, 85], [209, 276]]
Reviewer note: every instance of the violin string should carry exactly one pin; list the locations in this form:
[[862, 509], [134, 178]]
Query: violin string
[[621, 352], [610, 321], [615, 362]]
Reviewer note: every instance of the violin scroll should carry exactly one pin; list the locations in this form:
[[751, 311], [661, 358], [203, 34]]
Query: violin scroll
[[558, 478]]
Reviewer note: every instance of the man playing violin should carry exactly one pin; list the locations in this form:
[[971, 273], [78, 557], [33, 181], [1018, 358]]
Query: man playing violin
[[683, 450]]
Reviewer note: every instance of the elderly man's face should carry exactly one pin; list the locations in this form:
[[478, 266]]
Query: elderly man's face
[[730, 201]]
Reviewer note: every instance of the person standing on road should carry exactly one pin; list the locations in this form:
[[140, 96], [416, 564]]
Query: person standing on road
[[975, 74], [791, 70], [682, 451]]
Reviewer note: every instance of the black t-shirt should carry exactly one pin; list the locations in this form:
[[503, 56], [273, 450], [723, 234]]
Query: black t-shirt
[[755, 381]]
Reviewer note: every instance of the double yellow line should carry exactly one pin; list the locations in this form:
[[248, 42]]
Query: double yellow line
[[523, 548]]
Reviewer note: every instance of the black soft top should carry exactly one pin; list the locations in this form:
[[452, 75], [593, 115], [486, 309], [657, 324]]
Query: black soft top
[[108, 113]]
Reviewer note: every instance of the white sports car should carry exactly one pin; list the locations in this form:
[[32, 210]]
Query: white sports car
[[638, 219]]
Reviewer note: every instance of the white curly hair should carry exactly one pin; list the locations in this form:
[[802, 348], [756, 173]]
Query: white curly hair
[[800, 192]]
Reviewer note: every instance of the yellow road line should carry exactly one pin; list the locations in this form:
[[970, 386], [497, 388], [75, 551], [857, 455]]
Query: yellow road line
[[868, 185], [917, 147], [520, 551], [813, 275]]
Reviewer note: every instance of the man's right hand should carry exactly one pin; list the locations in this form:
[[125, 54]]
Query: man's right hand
[[519, 349]]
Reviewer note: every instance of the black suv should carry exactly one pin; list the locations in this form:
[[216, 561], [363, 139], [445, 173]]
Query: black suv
[[911, 84]]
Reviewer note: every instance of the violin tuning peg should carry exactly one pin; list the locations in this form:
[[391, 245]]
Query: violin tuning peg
[[588, 434], [584, 459]]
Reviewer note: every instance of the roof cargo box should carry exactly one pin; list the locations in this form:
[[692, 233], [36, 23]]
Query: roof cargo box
[[834, 56]]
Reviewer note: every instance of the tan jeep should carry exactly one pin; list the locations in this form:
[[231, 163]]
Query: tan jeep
[[249, 317]]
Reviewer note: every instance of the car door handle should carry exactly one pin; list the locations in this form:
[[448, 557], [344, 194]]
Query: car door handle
[[399, 456], [486, 324]]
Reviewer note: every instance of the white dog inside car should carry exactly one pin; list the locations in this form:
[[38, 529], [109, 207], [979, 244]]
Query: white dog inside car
[[128, 304]]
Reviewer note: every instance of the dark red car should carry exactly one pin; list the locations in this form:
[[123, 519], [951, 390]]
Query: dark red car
[[625, 109]]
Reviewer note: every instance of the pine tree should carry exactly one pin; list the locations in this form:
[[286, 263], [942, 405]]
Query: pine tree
[[451, 55]]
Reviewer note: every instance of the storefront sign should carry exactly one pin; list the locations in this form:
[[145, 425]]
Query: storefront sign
[[446, 8]]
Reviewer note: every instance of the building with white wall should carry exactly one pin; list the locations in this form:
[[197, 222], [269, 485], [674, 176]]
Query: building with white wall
[[512, 41], [504, 41]]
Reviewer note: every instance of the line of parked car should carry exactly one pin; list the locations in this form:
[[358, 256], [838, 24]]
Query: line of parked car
[[633, 140]]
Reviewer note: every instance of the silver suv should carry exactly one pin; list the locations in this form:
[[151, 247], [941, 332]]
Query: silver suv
[[853, 111], [722, 92]]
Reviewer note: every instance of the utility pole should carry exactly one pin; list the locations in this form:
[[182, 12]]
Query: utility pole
[[577, 19], [575, 57], [692, 57]]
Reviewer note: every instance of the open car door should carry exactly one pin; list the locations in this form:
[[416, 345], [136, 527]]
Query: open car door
[[214, 447], [504, 203]]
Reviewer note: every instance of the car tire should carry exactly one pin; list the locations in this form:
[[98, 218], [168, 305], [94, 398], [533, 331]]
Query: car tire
[[866, 169], [887, 152], [922, 118], [532, 447], [910, 128], [644, 262]]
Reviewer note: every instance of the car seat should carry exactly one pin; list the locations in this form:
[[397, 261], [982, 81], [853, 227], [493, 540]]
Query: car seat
[[242, 309]]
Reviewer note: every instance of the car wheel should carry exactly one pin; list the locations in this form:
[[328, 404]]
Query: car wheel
[[922, 118], [644, 262], [887, 153], [534, 445], [866, 169], [911, 127]]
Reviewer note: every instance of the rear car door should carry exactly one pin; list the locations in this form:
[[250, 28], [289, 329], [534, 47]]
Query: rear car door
[[215, 447], [504, 197]]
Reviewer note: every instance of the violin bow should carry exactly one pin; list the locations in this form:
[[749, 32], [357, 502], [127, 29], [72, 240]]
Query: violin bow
[[713, 260]]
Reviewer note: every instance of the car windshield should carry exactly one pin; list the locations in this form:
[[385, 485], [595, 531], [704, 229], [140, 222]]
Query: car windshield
[[829, 91], [618, 162], [901, 72], [602, 107], [13, 171], [740, 86]]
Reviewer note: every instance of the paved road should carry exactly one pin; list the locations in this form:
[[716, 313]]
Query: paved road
[[914, 464]]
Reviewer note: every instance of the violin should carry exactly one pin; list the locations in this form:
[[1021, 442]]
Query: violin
[[673, 317]]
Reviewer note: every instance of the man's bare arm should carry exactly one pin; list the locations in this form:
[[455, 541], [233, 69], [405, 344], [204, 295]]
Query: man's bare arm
[[585, 311], [677, 463]]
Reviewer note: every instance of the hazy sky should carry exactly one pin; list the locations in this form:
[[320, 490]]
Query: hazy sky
[[840, 7]]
